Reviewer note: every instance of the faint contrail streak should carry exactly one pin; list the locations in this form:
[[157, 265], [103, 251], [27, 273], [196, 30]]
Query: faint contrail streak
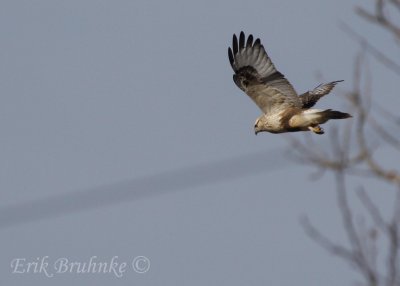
[[143, 187]]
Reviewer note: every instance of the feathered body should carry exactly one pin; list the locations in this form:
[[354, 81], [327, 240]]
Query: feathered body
[[284, 110]]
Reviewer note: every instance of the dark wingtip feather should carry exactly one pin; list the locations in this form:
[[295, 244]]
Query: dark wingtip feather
[[231, 58], [337, 81], [249, 41], [235, 44], [241, 40], [257, 42]]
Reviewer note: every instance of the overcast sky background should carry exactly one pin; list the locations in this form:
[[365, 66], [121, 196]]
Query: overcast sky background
[[95, 93]]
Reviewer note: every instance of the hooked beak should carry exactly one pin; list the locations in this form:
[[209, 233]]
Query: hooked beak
[[256, 132]]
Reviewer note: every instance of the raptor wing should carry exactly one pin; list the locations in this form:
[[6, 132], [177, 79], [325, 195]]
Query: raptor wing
[[257, 76]]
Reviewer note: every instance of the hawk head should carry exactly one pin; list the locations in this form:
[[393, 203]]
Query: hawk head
[[259, 125]]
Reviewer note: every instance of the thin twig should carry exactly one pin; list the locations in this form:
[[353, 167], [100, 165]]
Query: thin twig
[[376, 53]]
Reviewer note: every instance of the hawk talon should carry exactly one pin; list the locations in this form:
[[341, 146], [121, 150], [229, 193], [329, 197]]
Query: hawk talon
[[317, 129]]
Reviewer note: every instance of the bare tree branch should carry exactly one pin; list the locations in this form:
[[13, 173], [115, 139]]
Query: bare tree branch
[[379, 17], [394, 244], [351, 231], [351, 152], [373, 211], [375, 52], [325, 242], [363, 250], [396, 4], [384, 134]]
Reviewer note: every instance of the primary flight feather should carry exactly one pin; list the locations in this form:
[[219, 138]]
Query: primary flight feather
[[284, 110]]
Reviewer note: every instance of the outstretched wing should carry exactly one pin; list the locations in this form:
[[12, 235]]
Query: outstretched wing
[[309, 98], [257, 76]]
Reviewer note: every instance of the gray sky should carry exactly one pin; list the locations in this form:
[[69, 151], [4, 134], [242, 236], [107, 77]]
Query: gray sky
[[95, 93]]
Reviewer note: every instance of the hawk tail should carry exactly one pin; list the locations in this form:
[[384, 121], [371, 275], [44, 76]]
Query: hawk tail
[[325, 115]]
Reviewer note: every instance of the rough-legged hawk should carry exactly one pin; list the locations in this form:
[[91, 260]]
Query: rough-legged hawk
[[284, 110]]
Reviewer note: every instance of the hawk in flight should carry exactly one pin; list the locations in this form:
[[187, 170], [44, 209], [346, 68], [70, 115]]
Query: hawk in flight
[[284, 110]]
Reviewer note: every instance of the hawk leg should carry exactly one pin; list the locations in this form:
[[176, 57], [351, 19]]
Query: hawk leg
[[316, 129]]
